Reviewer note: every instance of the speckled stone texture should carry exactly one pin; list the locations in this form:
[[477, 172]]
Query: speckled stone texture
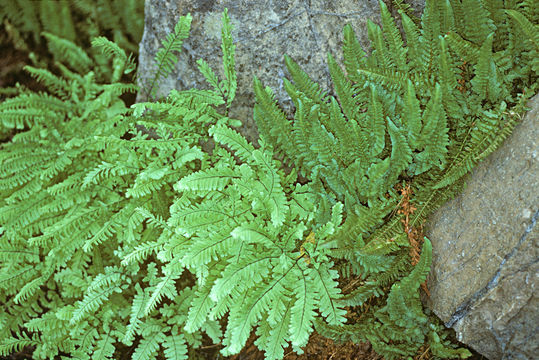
[[485, 277], [264, 30]]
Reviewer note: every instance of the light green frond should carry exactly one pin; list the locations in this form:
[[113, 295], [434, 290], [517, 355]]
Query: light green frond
[[228, 48], [201, 305], [482, 70], [344, 90], [165, 287], [477, 23], [303, 311], [375, 124], [67, 52], [414, 43], [249, 267], [234, 140], [245, 313], [55, 84], [141, 252], [380, 52], [205, 180], [252, 235], [93, 300], [267, 112], [175, 347], [274, 341], [210, 76], [166, 56], [12, 345], [328, 294], [104, 348], [430, 31], [401, 154], [121, 63], [137, 312], [353, 53], [149, 345], [28, 290]]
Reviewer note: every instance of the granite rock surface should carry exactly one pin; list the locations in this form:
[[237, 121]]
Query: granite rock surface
[[484, 279]]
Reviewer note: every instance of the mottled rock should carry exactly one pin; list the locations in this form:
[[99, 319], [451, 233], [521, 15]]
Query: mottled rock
[[484, 277], [264, 30]]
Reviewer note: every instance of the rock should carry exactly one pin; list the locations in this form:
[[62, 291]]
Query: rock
[[264, 30], [485, 277]]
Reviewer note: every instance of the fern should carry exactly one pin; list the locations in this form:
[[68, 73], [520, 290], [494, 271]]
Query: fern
[[175, 347], [75, 21], [406, 108], [100, 207], [119, 229], [166, 57]]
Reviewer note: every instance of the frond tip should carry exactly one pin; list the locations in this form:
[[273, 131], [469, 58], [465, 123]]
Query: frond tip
[[166, 56]]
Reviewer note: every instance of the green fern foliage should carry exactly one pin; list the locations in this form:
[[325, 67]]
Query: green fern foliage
[[166, 55], [153, 229], [84, 199], [76, 21], [422, 114]]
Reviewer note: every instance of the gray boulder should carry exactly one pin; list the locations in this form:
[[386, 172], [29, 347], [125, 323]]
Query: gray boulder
[[484, 278]]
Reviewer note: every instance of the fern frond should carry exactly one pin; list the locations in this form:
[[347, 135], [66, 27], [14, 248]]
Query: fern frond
[[401, 154], [303, 83], [165, 287], [267, 112], [68, 52], [199, 309], [476, 20], [482, 70], [104, 348], [55, 84], [354, 55], [273, 342], [175, 347], [93, 300], [244, 314], [328, 294], [137, 312], [29, 289], [376, 125], [302, 312], [228, 48], [234, 140], [148, 346], [14, 344], [206, 180], [393, 38], [121, 63], [166, 57]]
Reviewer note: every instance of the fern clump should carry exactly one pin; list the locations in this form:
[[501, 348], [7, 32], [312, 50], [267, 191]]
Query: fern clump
[[406, 124], [29, 26], [77, 21], [85, 189], [149, 230]]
